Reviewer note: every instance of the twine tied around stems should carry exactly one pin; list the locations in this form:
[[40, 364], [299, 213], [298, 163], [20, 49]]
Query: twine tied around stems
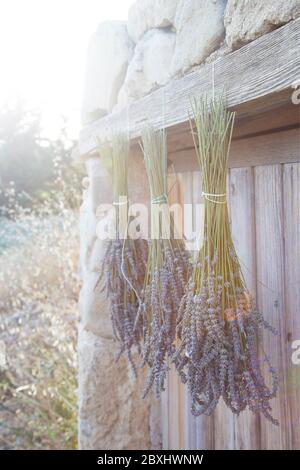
[[122, 267], [160, 199], [208, 197], [120, 203]]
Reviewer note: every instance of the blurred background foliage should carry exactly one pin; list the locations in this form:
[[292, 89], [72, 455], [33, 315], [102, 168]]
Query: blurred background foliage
[[40, 196], [33, 163]]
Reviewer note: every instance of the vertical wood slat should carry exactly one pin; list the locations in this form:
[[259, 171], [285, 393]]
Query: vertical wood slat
[[182, 413], [223, 422], [291, 192], [176, 411], [185, 431], [173, 399], [188, 198], [165, 415], [224, 431], [240, 432], [203, 426], [170, 397], [241, 191], [173, 410], [188, 425], [270, 289], [199, 431], [275, 219]]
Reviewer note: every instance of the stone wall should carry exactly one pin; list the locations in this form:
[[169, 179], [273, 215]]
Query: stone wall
[[162, 40], [112, 414]]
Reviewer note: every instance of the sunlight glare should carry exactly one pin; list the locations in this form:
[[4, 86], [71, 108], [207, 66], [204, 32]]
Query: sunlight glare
[[43, 51]]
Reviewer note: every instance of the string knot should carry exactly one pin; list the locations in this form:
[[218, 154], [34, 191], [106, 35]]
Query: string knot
[[162, 199], [209, 196], [120, 203]]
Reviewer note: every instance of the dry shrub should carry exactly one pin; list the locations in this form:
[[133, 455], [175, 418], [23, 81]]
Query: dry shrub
[[38, 309]]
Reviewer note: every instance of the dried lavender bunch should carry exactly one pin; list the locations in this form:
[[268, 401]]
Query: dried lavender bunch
[[125, 259], [218, 353], [167, 268]]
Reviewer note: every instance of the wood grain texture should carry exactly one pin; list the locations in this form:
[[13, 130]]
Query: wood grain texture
[[265, 216], [203, 426], [266, 67], [187, 197], [274, 147], [241, 194], [224, 428], [279, 118], [223, 420], [182, 413], [271, 299], [165, 415], [174, 411], [173, 399], [182, 430], [291, 194]]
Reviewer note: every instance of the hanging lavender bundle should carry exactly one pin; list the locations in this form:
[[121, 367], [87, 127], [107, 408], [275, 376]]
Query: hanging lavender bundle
[[125, 259], [167, 268], [219, 322]]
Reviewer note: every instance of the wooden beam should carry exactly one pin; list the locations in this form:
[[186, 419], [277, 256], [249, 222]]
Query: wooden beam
[[256, 77], [271, 148], [277, 119]]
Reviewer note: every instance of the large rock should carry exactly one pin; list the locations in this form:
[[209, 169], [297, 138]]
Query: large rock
[[246, 20], [109, 52], [200, 30], [112, 415], [148, 14], [93, 304], [150, 65]]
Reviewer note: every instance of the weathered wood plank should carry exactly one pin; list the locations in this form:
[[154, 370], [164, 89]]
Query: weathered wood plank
[[173, 411], [187, 197], [291, 194], [279, 118], [241, 192], [182, 413], [190, 430], [185, 431], [223, 421], [224, 430], [277, 147], [263, 68], [276, 226], [272, 120], [202, 426], [200, 429], [165, 415], [173, 400], [270, 294]]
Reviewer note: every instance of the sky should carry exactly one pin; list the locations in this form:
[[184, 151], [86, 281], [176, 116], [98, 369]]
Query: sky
[[43, 46]]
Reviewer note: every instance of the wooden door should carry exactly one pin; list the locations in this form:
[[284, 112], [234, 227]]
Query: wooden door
[[264, 193]]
